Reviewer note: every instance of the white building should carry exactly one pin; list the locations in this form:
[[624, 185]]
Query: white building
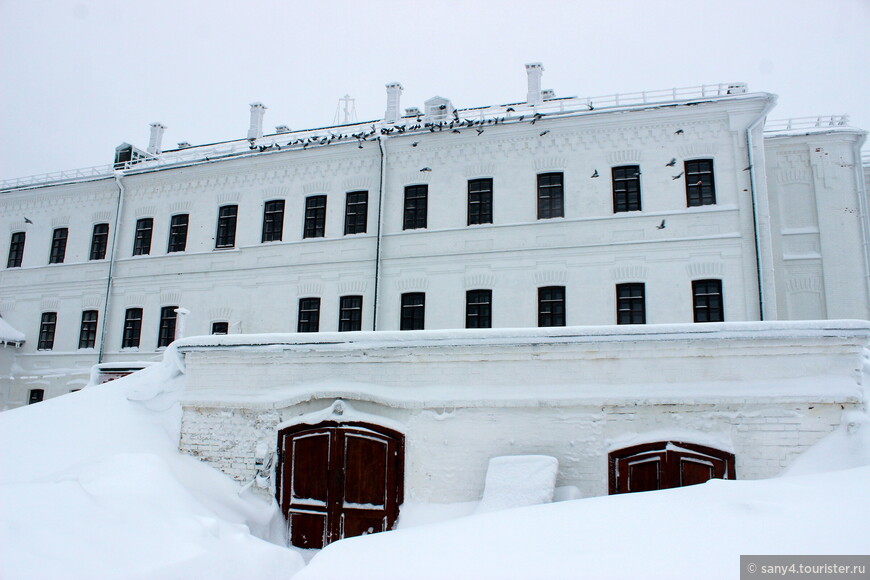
[[657, 207]]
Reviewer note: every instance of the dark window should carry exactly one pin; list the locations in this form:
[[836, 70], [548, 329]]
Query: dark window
[[413, 311], [46, 331], [16, 250], [99, 241], [356, 212], [58, 246], [273, 221], [309, 315], [226, 226], [220, 327], [416, 202], [478, 309], [166, 335], [315, 217], [88, 333], [551, 306], [626, 188], [35, 396], [178, 233], [550, 196], [667, 464], [132, 328], [479, 201], [350, 313], [630, 304], [142, 244], [707, 297], [700, 188]]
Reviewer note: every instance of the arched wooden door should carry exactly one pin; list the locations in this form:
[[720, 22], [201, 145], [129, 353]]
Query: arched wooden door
[[667, 464], [337, 480]]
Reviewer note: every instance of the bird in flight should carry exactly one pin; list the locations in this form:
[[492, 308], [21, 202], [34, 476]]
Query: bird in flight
[[27, 220], [677, 176], [661, 226], [678, 132], [426, 169], [595, 174], [672, 162]]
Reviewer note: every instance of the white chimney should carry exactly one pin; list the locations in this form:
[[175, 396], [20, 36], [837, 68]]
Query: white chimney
[[394, 93], [255, 131], [534, 72], [154, 143]]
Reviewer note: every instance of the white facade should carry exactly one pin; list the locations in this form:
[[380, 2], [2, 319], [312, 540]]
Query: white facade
[[784, 208]]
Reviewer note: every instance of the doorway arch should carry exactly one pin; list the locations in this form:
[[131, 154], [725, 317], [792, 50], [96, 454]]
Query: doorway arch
[[666, 464]]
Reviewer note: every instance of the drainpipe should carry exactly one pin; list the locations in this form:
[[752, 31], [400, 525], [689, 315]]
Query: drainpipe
[[112, 250], [759, 263], [863, 210], [380, 228]]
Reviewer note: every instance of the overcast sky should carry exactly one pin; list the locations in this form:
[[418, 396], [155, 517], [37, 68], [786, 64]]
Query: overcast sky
[[80, 77]]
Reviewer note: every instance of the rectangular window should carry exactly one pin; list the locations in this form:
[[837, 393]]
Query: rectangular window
[[413, 311], [309, 315], [273, 221], [226, 227], [35, 396], [416, 206], [707, 298], [142, 243], [356, 212], [479, 201], [46, 331], [16, 250], [700, 186], [315, 217], [626, 188], [350, 314], [551, 199], [551, 306], [178, 233], [88, 333], [478, 309], [132, 328], [166, 335], [220, 327], [630, 304], [99, 241], [58, 246]]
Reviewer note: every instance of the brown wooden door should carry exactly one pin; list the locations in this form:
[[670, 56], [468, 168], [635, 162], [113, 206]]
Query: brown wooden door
[[339, 480], [667, 464]]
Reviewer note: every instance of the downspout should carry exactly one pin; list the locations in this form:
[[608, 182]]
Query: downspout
[[113, 246], [863, 210], [759, 265], [381, 183]]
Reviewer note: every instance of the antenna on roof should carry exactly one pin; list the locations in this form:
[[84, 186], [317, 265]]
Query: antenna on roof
[[345, 112]]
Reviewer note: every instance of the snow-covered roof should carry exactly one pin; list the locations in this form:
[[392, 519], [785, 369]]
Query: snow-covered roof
[[808, 126], [9, 335]]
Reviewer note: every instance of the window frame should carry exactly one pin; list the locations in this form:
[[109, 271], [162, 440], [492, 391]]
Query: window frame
[[415, 215], [178, 231], [88, 329], [551, 196], [16, 250], [168, 326], [214, 327], [626, 188], [356, 212], [315, 217], [631, 303], [225, 234], [702, 297], [700, 182], [478, 308], [413, 311], [59, 237], [132, 334], [350, 313], [479, 201], [308, 319], [47, 330], [551, 306], [143, 235], [273, 220], [35, 396], [99, 241]]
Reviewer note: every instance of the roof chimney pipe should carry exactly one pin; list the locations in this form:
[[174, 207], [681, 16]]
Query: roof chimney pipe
[[255, 131], [394, 93], [154, 143], [534, 71]]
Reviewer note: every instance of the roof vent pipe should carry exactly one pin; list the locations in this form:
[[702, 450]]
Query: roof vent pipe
[[394, 93], [534, 71], [154, 143], [255, 131]]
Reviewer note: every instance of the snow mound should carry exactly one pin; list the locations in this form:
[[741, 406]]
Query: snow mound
[[847, 447], [92, 486], [518, 480]]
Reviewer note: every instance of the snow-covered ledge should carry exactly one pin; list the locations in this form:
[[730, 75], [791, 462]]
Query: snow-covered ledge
[[766, 390]]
